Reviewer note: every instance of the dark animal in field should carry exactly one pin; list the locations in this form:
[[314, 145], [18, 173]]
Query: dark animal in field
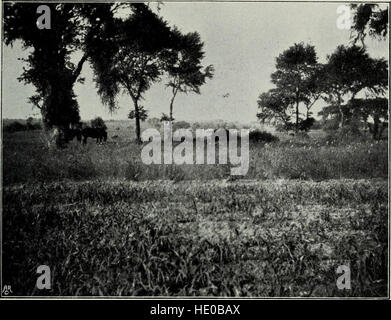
[[70, 134], [100, 134]]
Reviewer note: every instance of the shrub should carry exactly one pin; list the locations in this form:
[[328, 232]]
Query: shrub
[[329, 125], [345, 134], [306, 125], [262, 136], [98, 122], [181, 125]]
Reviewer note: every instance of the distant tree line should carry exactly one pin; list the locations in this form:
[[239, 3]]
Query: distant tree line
[[28, 125]]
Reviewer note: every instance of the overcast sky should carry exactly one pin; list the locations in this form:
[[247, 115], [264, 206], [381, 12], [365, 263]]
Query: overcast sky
[[241, 40]]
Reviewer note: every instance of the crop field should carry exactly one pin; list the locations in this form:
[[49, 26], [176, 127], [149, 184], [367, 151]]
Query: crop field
[[277, 238], [107, 224]]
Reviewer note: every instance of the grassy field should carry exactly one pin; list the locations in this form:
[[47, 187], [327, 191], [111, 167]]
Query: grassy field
[[26, 159], [107, 224]]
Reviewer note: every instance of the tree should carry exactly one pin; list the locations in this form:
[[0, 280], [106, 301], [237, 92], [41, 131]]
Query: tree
[[369, 19], [49, 66], [142, 113], [98, 122], [276, 107], [184, 67], [377, 109], [296, 67], [313, 89], [30, 123], [348, 71], [128, 56]]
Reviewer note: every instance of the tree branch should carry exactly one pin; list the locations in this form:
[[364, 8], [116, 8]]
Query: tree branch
[[77, 71]]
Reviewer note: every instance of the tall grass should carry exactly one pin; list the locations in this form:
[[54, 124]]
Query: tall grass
[[25, 159]]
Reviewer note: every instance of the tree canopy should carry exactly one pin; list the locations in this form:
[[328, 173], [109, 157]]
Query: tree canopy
[[295, 75], [297, 84], [369, 18], [49, 66], [349, 70], [186, 73]]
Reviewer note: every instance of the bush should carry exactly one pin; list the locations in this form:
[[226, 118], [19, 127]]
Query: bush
[[181, 125], [306, 125], [98, 122], [345, 134], [262, 136], [329, 125]]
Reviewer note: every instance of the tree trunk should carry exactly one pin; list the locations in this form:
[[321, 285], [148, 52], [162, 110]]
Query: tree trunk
[[342, 119], [171, 107], [137, 118], [381, 129], [57, 115], [376, 121], [174, 92], [297, 111], [55, 137]]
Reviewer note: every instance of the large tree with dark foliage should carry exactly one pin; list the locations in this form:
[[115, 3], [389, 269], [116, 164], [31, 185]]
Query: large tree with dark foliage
[[350, 70], [296, 69], [129, 56], [276, 107], [375, 108], [297, 84], [48, 65]]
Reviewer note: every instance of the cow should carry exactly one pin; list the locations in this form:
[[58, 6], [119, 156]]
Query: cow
[[99, 133], [70, 134]]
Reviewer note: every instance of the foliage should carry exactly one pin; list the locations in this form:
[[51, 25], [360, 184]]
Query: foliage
[[296, 76], [350, 70], [165, 117], [184, 67], [305, 125], [298, 81], [128, 57], [262, 136], [142, 114], [49, 66], [98, 122], [275, 107], [369, 19], [180, 125], [377, 109]]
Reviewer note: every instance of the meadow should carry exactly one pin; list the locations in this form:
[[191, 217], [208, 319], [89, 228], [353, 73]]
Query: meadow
[[107, 224]]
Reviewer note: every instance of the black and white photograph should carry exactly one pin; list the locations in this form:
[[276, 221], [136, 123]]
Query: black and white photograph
[[190, 150]]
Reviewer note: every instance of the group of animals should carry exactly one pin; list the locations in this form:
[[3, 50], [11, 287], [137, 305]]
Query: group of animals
[[81, 134]]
